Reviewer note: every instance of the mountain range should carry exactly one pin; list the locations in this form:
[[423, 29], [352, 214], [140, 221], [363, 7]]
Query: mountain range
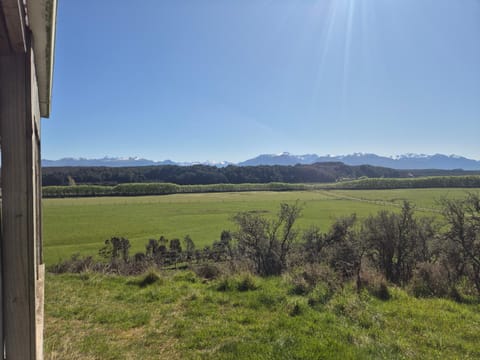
[[401, 162]]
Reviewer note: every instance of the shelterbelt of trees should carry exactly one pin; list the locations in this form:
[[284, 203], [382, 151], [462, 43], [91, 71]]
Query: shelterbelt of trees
[[142, 189], [208, 175]]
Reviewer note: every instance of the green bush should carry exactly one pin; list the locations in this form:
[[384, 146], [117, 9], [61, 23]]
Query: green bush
[[320, 295]]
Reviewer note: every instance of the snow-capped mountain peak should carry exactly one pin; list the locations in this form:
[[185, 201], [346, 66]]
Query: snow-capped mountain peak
[[405, 161]]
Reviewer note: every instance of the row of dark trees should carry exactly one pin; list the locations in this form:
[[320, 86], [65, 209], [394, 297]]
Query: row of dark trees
[[201, 174], [164, 252]]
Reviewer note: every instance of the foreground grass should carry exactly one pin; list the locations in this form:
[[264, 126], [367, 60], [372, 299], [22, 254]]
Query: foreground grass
[[81, 225], [179, 316]]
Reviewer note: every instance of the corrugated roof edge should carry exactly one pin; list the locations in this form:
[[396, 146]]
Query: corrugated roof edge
[[42, 16]]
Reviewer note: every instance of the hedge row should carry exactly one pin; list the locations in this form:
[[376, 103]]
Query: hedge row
[[138, 189]]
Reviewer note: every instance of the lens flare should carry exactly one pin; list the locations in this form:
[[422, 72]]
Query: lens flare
[[344, 29]]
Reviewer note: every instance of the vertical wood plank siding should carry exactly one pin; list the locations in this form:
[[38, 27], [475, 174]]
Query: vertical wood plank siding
[[21, 230]]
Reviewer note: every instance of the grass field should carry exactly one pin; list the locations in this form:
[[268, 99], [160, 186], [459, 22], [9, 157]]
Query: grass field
[[80, 225], [181, 317]]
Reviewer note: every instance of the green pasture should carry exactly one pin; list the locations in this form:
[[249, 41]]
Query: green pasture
[[181, 316], [80, 225], [425, 200]]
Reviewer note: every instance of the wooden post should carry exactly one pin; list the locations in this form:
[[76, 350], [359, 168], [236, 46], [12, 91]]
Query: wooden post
[[22, 267]]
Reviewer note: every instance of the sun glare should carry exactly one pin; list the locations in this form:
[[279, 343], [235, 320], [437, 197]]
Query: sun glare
[[340, 24]]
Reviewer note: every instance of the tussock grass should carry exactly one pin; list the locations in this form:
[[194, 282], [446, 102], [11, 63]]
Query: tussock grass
[[151, 277]]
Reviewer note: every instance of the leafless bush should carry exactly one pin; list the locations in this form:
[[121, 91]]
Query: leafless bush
[[207, 271], [375, 283], [267, 243], [76, 264], [430, 280]]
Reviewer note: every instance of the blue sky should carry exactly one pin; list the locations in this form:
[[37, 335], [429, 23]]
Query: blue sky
[[194, 80]]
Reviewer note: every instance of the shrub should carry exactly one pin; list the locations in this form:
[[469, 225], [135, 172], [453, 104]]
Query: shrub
[[455, 295], [318, 273], [397, 241], [306, 278], [430, 280], [76, 264], [207, 271], [314, 244], [383, 293], [375, 283], [139, 257], [320, 295], [267, 243], [115, 248], [149, 278], [189, 247], [346, 247], [461, 242]]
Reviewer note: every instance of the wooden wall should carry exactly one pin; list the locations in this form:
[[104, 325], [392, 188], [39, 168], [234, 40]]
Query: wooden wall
[[21, 254]]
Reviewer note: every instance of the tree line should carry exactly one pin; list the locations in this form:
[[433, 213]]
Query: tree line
[[203, 175], [140, 189], [164, 189]]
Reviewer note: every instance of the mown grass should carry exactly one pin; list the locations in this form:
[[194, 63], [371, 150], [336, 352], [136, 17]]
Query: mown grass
[[80, 225], [179, 316]]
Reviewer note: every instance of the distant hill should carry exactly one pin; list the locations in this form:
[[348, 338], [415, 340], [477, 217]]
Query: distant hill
[[106, 161], [122, 162], [401, 162]]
